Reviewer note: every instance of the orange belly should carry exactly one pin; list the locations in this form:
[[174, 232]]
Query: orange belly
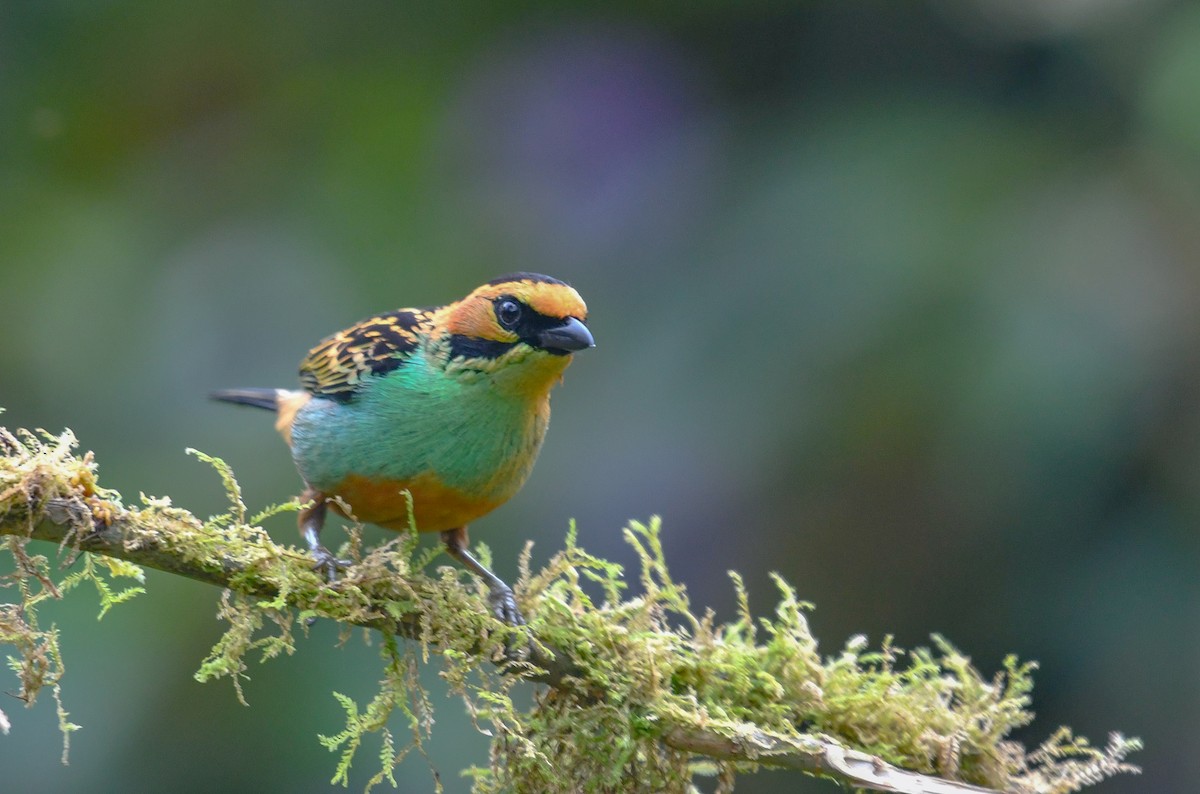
[[435, 507]]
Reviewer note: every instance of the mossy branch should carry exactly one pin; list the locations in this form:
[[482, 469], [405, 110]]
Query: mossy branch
[[642, 693]]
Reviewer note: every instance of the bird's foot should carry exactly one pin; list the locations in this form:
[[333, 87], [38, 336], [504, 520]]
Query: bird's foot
[[504, 605], [328, 564], [500, 596]]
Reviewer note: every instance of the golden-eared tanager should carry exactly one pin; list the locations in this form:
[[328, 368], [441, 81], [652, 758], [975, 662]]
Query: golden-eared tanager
[[449, 404]]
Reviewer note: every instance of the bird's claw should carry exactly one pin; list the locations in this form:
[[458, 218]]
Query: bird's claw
[[504, 606], [328, 564]]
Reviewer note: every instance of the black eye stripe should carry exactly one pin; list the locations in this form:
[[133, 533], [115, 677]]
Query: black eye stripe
[[469, 347]]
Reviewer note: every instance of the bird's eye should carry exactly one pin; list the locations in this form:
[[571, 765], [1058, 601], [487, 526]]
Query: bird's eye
[[508, 313]]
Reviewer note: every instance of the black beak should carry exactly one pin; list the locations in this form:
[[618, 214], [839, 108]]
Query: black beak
[[562, 339]]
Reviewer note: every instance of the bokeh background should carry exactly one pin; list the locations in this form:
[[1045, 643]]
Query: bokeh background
[[900, 300]]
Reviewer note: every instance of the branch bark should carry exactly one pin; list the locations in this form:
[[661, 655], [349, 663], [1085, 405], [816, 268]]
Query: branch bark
[[53, 505], [815, 755]]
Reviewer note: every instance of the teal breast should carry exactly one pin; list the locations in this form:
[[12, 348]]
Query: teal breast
[[415, 421]]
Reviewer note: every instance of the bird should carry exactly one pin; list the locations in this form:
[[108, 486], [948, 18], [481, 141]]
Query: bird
[[447, 406]]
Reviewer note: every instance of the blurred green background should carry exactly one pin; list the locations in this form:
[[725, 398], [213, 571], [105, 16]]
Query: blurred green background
[[899, 300]]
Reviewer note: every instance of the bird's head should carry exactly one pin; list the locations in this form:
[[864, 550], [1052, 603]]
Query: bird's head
[[523, 327]]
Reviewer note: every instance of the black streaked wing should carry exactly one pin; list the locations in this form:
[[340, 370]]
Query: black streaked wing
[[337, 367]]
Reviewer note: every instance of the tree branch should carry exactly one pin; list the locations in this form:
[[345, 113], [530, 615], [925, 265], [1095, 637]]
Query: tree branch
[[129, 539], [49, 495]]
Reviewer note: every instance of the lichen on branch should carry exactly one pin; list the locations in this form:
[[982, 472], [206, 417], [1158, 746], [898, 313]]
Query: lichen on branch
[[635, 691]]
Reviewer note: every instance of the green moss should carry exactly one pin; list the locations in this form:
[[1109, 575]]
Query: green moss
[[42, 467], [631, 671]]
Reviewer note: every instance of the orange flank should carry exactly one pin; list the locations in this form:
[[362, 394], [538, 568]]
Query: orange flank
[[436, 507]]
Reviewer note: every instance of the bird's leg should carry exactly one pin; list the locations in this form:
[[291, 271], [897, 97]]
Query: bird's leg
[[311, 520], [500, 595]]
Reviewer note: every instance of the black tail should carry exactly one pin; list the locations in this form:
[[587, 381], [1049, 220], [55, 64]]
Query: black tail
[[259, 398]]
